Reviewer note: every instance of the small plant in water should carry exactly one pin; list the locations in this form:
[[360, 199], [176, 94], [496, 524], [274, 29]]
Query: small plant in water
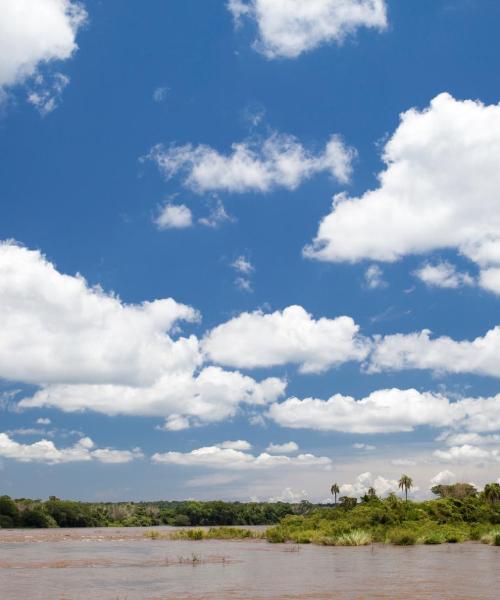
[[357, 537], [152, 535]]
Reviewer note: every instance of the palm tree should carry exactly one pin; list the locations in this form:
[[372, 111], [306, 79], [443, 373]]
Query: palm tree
[[372, 492], [405, 483], [492, 492], [335, 490]]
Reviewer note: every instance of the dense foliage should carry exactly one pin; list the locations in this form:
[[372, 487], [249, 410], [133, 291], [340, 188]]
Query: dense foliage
[[460, 514], [65, 513]]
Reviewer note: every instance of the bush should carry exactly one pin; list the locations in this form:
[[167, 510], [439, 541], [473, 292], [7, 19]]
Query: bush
[[434, 538], [496, 539], [6, 522], [357, 537], [275, 535], [401, 537], [181, 521]]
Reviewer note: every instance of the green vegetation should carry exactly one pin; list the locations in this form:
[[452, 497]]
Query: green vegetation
[[459, 514], [66, 513]]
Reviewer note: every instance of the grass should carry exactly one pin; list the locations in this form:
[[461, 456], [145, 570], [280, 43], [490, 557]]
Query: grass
[[215, 533], [492, 537]]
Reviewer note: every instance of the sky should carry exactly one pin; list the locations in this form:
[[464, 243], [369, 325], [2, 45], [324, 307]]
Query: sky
[[248, 248]]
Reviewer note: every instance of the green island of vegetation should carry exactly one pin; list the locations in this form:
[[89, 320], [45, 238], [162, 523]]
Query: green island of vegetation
[[460, 513]]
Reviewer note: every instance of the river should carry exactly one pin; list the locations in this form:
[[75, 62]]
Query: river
[[120, 564]]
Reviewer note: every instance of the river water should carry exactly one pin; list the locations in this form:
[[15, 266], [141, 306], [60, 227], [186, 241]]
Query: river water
[[123, 565]]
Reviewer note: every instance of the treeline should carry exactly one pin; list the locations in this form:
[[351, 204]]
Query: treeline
[[54, 512], [460, 513]]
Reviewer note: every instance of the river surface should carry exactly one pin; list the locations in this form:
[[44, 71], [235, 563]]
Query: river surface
[[121, 564]]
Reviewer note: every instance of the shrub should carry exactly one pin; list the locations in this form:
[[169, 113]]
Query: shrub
[[275, 535], [6, 522], [434, 538], [357, 537], [401, 537]]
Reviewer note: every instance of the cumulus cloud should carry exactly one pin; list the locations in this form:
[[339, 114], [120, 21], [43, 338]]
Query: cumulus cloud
[[439, 191], [443, 354], [388, 411], [235, 445], [468, 454], [444, 477], [56, 328], [256, 339], [290, 27], [45, 451], [215, 457], [43, 421], [184, 398], [364, 481], [286, 448], [174, 216], [87, 350], [36, 32], [444, 275], [253, 166]]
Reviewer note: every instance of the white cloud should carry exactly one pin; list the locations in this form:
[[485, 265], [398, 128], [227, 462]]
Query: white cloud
[[474, 439], [46, 96], [286, 448], [468, 454], [45, 451], [388, 411], [256, 339], [216, 216], [174, 216], [439, 191], [182, 397], [290, 495], [243, 265], [215, 457], [33, 32], [366, 480], [374, 278], [235, 445], [444, 275], [56, 328], [278, 161], [87, 350], [243, 284], [444, 477], [443, 354], [367, 447], [287, 28], [43, 421]]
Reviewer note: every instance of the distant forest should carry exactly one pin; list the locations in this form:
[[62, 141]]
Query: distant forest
[[54, 512]]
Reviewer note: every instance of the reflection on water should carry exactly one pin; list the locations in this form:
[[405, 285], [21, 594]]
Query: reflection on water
[[96, 566]]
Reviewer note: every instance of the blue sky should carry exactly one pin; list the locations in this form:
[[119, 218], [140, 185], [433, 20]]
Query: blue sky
[[120, 164]]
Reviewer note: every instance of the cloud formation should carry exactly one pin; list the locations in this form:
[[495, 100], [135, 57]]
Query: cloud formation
[[290, 27], [215, 457], [253, 166], [36, 32], [388, 411], [174, 216], [46, 452], [87, 350], [439, 191], [256, 339], [443, 354], [444, 275]]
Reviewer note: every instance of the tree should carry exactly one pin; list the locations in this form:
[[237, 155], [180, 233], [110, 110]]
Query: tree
[[405, 483], [458, 491], [348, 503], [372, 492], [492, 493], [335, 490]]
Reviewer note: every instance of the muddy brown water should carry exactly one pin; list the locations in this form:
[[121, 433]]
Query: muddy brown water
[[121, 564]]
